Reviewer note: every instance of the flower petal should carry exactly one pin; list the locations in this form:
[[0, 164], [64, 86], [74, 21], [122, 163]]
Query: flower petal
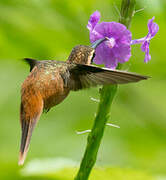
[[113, 29], [105, 56], [145, 48], [152, 27], [94, 19], [122, 53], [147, 55]]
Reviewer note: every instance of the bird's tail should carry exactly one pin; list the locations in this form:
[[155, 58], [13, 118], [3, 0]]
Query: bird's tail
[[30, 111]]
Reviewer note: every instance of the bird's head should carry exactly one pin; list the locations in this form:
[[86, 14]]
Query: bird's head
[[82, 54]]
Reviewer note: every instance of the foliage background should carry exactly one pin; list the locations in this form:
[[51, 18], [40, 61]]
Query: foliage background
[[49, 29]]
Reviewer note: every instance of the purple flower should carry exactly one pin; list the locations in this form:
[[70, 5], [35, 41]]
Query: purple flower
[[153, 29], [94, 18], [117, 49]]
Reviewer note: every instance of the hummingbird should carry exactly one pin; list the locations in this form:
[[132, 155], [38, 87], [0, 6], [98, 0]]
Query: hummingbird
[[50, 82]]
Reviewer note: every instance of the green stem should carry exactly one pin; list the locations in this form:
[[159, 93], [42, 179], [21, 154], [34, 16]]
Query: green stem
[[127, 12], [107, 95], [96, 134]]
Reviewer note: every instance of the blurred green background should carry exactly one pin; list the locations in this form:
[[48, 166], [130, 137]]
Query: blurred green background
[[49, 29]]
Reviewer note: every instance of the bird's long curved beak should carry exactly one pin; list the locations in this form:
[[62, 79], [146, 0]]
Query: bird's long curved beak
[[98, 42]]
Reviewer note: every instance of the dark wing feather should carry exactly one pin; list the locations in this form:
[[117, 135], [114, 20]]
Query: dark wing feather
[[32, 62], [84, 76]]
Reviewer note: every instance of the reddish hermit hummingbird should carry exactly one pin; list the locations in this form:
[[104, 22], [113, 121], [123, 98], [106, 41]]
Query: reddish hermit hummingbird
[[50, 81]]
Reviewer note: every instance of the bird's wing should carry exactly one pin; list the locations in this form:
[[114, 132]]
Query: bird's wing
[[84, 76]]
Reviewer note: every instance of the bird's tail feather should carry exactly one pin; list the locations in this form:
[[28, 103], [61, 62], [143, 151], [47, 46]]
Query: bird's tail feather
[[31, 109]]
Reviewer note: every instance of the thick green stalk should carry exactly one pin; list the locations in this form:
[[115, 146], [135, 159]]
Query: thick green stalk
[[94, 138], [127, 12], [107, 95]]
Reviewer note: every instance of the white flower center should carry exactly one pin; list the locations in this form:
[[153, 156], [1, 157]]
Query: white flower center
[[110, 43]]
